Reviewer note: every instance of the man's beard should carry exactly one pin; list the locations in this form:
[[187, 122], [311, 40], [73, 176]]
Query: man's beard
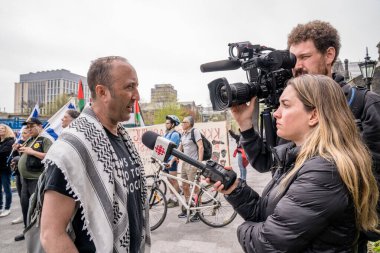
[[322, 70]]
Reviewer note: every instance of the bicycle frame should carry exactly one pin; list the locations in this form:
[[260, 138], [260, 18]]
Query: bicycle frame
[[164, 176]]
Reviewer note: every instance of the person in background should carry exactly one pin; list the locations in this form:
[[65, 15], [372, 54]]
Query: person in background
[[30, 167], [7, 139], [16, 173], [240, 153], [194, 149], [172, 164], [323, 192], [68, 117]]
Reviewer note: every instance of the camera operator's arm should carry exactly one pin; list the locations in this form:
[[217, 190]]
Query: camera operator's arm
[[235, 136], [250, 139], [371, 129]]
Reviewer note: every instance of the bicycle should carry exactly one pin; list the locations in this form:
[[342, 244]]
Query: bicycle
[[154, 179], [213, 209]]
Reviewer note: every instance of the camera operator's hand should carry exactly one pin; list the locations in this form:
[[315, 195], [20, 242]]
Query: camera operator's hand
[[243, 114]]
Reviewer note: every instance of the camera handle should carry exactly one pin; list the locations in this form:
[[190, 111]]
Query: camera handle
[[267, 125]]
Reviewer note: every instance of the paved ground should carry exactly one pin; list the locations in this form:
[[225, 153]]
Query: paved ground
[[172, 236], [176, 236]]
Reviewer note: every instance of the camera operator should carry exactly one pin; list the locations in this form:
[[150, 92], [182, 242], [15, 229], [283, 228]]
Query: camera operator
[[316, 46], [323, 191]]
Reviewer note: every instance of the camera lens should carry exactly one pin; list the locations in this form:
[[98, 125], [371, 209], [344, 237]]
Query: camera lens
[[223, 94]]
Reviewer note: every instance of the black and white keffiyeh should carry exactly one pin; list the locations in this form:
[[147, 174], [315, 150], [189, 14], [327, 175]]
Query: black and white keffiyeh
[[89, 163]]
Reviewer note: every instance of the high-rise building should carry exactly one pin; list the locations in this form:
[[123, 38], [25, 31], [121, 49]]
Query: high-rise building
[[45, 87]]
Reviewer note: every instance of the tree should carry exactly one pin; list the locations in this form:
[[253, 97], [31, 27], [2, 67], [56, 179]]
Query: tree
[[168, 109], [59, 101]]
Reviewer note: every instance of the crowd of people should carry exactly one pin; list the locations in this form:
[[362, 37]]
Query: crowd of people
[[23, 160], [323, 196]]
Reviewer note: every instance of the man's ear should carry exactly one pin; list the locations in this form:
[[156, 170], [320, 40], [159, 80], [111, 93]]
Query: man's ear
[[330, 55], [313, 119], [100, 91]]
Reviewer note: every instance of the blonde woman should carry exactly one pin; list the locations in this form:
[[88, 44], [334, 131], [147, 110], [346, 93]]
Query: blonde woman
[[323, 191], [7, 138]]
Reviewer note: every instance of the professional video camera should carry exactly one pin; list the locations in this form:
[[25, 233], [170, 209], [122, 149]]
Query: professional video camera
[[267, 72]]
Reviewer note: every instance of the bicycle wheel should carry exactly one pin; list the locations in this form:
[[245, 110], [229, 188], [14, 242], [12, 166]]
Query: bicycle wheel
[[157, 208], [217, 213], [206, 199], [160, 183]]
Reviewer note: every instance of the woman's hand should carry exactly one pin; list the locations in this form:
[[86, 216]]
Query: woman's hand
[[218, 186]]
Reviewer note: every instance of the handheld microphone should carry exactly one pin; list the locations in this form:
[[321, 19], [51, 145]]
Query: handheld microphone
[[220, 65], [162, 148]]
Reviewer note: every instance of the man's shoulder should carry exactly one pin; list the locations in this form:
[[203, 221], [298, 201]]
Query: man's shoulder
[[46, 143], [45, 140], [372, 97], [176, 133], [197, 133]]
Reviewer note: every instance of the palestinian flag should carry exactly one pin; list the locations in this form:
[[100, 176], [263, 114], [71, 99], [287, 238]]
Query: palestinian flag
[[80, 96], [139, 121]]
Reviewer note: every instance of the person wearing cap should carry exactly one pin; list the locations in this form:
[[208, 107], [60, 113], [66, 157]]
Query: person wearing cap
[[30, 167], [171, 167]]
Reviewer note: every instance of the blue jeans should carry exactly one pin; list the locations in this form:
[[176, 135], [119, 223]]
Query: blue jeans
[[243, 171], [5, 178]]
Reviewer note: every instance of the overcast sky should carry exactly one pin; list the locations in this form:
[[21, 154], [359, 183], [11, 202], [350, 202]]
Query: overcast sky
[[165, 40]]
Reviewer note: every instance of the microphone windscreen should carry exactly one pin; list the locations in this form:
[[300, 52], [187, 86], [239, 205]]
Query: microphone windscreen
[[220, 65], [149, 139]]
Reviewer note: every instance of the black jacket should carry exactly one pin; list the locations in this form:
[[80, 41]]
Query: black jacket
[[261, 158], [315, 214], [5, 150]]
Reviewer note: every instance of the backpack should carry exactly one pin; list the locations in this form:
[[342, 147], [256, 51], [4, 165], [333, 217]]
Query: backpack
[[356, 103], [32, 230], [174, 131], [207, 147]]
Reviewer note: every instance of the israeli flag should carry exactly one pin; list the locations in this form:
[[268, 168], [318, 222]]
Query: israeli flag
[[35, 112], [53, 127]]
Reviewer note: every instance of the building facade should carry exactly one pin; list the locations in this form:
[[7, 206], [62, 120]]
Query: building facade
[[45, 87], [163, 94]]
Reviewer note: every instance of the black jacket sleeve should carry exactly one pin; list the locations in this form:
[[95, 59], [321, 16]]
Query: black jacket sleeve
[[5, 150], [371, 127], [315, 197], [235, 136], [248, 207]]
